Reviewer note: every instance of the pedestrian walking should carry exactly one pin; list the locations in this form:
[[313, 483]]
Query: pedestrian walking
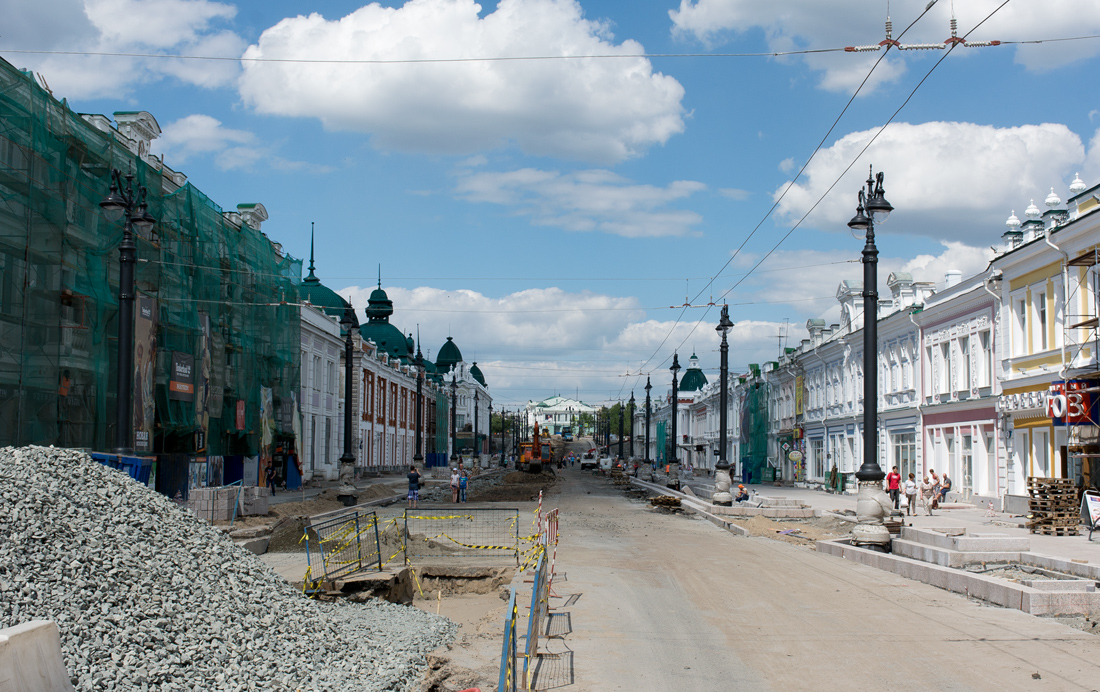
[[911, 496], [269, 478], [927, 494], [893, 484], [454, 484], [414, 487]]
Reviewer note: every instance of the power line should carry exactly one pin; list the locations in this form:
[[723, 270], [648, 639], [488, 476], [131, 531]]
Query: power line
[[503, 58], [781, 196]]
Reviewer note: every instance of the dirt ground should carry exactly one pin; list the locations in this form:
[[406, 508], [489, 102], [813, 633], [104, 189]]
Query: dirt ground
[[516, 486]]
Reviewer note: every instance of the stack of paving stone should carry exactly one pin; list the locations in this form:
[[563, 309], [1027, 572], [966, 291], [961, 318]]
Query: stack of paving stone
[[1053, 506], [149, 597]]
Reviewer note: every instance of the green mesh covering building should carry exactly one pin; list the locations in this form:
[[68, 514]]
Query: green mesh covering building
[[217, 330]]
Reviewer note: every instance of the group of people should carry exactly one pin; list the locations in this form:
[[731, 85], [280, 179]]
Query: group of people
[[931, 491], [460, 479]]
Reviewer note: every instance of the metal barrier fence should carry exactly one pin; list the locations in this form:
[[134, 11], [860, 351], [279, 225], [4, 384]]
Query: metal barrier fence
[[343, 544], [508, 651], [540, 610], [461, 532]]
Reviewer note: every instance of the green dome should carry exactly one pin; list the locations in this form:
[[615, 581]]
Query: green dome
[[475, 372], [694, 379], [448, 357]]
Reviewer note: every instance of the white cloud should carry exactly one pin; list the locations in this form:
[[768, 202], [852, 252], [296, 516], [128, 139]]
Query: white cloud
[[946, 180], [594, 110], [800, 24], [590, 200], [173, 27], [201, 135]]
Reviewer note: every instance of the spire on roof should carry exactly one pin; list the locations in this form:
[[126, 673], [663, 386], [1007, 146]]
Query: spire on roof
[[312, 276]]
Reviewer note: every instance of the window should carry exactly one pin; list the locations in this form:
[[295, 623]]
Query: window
[[904, 453], [328, 441], [967, 466], [964, 364], [1041, 440], [985, 375], [1041, 319], [316, 383], [944, 374], [331, 377], [1019, 332], [817, 453], [312, 443]]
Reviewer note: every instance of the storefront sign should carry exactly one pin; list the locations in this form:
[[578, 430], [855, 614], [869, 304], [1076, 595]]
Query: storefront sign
[[1068, 403]]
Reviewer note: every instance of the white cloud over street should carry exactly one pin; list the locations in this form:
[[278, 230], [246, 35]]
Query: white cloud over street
[[594, 110], [946, 179], [168, 27], [802, 24], [588, 200]]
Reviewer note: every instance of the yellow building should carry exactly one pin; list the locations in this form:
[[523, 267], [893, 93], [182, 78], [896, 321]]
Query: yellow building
[[1047, 281]]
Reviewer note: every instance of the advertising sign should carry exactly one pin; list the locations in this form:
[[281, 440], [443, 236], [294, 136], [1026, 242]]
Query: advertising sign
[[181, 382], [1069, 403], [202, 385], [1090, 510], [799, 386], [145, 348]]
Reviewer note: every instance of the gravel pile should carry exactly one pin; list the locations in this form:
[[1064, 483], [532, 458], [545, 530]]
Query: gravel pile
[[147, 597]]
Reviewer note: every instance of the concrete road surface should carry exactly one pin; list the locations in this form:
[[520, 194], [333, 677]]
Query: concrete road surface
[[661, 602]]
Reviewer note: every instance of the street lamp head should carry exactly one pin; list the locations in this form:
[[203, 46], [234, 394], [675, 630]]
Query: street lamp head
[[143, 220], [877, 205], [114, 204], [724, 323], [675, 367], [860, 223], [347, 321], [648, 386]]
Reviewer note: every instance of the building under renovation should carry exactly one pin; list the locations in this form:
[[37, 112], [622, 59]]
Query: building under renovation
[[211, 377]]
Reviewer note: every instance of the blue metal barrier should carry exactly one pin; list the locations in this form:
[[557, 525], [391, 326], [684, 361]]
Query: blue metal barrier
[[508, 650], [138, 468]]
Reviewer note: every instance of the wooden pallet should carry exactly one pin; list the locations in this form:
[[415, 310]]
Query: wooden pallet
[[1055, 530]]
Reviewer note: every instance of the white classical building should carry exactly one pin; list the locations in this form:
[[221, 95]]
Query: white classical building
[[321, 398], [556, 414]]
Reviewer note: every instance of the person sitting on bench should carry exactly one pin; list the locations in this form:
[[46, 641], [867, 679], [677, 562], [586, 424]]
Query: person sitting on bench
[[945, 487]]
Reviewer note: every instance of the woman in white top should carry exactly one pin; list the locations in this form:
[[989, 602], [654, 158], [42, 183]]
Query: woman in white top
[[910, 488], [454, 484]]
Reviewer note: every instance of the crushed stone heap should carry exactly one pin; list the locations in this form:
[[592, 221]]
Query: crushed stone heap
[[147, 597]]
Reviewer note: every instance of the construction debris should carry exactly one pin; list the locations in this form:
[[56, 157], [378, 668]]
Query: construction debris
[[1053, 506], [665, 501], [147, 596]]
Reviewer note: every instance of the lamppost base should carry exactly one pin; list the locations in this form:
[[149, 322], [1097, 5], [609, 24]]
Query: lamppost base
[[872, 505], [722, 495]]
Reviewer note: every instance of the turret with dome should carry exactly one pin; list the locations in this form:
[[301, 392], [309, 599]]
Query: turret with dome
[[378, 329], [694, 379], [449, 356]]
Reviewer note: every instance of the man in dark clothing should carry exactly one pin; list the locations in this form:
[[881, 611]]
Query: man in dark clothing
[[270, 477], [414, 487]]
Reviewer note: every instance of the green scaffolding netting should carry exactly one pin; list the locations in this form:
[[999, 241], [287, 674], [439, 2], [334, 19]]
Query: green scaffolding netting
[[754, 428], [224, 294]]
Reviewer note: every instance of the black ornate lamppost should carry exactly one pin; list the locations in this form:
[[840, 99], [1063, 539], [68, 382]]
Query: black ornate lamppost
[[674, 462], [620, 430], [648, 387], [722, 494], [347, 322], [477, 435], [632, 424], [454, 416], [126, 203], [418, 457], [870, 530]]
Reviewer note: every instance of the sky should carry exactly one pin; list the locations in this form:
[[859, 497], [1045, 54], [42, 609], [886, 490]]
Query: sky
[[551, 181]]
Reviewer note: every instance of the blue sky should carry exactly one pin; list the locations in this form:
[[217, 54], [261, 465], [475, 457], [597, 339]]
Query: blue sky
[[548, 212]]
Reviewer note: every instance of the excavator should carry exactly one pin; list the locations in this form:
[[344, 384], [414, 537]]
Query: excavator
[[535, 453]]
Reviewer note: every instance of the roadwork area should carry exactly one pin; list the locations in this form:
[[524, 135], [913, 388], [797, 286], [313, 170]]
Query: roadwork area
[[658, 601]]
